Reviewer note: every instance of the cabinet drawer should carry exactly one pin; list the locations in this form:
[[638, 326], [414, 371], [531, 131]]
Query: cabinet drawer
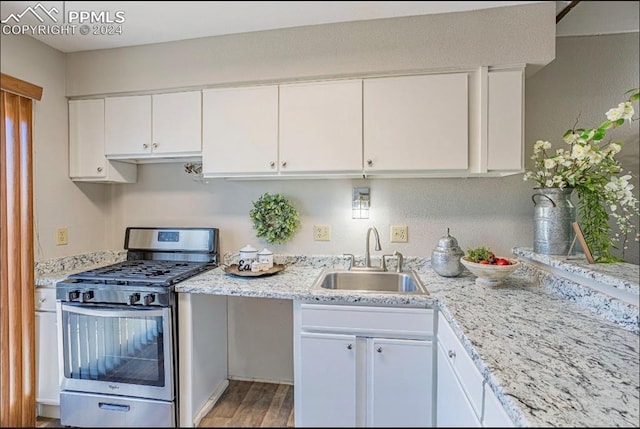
[[45, 299], [462, 364], [357, 320]]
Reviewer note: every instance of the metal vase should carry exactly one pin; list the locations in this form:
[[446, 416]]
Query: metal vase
[[553, 219]]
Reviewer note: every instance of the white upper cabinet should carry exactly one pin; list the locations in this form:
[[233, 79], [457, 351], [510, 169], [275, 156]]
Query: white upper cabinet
[[87, 161], [321, 127], [416, 123], [240, 131], [153, 126], [505, 120], [177, 123], [128, 125]]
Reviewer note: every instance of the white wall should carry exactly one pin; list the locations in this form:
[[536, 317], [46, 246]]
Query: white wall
[[58, 202]]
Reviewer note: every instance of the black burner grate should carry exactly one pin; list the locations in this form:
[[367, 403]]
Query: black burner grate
[[144, 271]]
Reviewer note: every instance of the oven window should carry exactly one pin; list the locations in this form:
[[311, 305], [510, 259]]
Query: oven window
[[123, 349]]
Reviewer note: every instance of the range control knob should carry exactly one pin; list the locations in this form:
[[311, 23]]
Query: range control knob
[[148, 299], [87, 296], [133, 298], [73, 295]]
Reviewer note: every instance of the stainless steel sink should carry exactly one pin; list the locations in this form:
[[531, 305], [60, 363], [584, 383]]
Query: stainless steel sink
[[370, 281]]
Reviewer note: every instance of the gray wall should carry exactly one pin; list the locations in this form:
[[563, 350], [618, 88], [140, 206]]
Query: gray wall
[[505, 35], [58, 202]]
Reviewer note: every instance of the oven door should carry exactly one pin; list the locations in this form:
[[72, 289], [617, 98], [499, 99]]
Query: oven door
[[116, 350]]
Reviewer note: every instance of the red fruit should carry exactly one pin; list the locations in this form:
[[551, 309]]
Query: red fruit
[[502, 261]]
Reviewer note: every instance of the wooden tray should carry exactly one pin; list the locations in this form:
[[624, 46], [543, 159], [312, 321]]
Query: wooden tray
[[233, 270]]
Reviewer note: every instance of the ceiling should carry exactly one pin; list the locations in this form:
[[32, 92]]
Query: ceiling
[[155, 22]]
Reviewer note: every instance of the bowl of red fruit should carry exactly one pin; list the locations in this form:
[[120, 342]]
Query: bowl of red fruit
[[489, 269]]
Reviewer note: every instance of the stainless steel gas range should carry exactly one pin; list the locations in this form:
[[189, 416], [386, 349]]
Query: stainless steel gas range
[[118, 330]]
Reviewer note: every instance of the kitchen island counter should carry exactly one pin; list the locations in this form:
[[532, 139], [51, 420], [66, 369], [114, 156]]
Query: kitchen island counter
[[550, 361]]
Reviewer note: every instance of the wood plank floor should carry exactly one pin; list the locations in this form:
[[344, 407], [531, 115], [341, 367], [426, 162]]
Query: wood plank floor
[[243, 404], [252, 404]]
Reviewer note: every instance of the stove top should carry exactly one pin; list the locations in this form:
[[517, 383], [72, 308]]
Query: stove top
[[141, 272], [157, 259]]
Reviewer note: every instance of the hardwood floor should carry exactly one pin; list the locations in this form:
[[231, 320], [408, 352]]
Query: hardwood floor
[[252, 404], [243, 404]]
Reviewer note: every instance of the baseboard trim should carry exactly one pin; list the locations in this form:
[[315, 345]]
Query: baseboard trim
[[208, 405], [261, 380]]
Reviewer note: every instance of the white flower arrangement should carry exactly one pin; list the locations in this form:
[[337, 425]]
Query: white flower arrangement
[[589, 166]]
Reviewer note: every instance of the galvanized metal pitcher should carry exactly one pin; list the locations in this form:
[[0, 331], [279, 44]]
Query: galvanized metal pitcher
[[553, 217]]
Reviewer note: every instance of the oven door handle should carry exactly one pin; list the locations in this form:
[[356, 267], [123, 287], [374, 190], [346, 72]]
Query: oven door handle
[[113, 312]]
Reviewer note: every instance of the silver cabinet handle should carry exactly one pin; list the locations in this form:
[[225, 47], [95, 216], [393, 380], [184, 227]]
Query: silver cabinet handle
[[43, 299], [452, 354], [284, 164], [99, 169], [349, 347], [369, 162], [145, 146], [155, 145], [272, 164], [379, 349]]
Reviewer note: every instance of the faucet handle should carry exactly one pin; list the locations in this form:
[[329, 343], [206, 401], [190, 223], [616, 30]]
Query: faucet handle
[[351, 259], [383, 263], [400, 260]]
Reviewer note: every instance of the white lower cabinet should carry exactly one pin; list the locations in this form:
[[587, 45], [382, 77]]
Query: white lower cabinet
[[494, 415], [453, 408], [464, 398], [47, 379], [356, 366], [327, 380]]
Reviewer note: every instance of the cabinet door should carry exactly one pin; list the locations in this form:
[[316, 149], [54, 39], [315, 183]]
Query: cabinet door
[[505, 121], [128, 126], [494, 414], [416, 123], [453, 408], [327, 380], [87, 161], [177, 123], [321, 127], [48, 382], [86, 139], [240, 131], [399, 383]]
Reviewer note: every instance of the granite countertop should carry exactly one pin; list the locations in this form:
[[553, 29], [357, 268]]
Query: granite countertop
[[551, 362], [551, 359]]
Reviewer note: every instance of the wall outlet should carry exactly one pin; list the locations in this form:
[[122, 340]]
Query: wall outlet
[[399, 234], [321, 232], [62, 236]]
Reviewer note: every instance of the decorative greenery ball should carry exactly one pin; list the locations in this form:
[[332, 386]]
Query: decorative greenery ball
[[274, 218]]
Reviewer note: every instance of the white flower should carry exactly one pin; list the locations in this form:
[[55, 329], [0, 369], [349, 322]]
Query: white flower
[[613, 148], [549, 163], [541, 145], [578, 152], [571, 138], [614, 114], [626, 110]]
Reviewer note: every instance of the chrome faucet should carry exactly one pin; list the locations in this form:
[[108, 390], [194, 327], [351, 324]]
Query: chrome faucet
[[367, 253]]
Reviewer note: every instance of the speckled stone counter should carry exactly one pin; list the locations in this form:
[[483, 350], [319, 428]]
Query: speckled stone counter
[[609, 290], [550, 361], [51, 271]]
